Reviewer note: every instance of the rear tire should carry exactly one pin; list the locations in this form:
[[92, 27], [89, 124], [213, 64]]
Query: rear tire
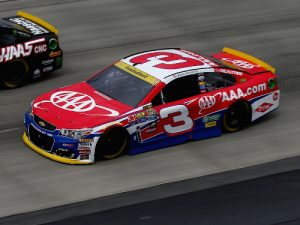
[[15, 74], [236, 117], [113, 143]]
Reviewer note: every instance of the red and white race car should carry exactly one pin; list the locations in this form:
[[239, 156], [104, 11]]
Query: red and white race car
[[148, 101]]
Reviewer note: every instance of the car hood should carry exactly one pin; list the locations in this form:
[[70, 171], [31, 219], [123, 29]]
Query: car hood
[[77, 106]]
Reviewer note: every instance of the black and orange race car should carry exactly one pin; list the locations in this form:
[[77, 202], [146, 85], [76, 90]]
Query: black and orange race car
[[29, 48]]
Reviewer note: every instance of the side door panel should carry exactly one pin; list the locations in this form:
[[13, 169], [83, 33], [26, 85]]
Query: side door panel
[[174, 118]]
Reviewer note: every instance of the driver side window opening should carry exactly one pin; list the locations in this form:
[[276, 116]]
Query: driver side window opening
[[219, 80], [180, 88], [6, 38], [191, 85]]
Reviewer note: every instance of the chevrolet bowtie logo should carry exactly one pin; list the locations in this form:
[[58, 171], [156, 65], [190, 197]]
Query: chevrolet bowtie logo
[[42, 123]]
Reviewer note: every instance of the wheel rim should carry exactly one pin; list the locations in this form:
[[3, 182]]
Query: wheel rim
[[113, 144], [235, 117], [14, 76]]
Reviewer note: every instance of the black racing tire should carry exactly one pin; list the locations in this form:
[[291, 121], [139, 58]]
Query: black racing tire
[[15, 74], [236, 117], [112, 144]]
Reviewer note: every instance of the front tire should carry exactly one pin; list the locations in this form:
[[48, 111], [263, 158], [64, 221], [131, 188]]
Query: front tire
[[15, 74], [236, 117], [113, 143]]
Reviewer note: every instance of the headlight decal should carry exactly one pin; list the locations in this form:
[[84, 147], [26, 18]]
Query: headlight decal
[[75, 134]]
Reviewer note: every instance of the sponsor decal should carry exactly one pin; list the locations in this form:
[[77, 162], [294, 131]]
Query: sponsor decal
[[233, 94], [72, 101], [36, 73], [145, 107], [275, 96], [238, 93], [55, 53], [67, 145], [207, 102], [84, 148], [187, 73], [33, 27], [85, 144], [264, 107], [76, 102], [47, 69], [150, 130], [84, 152], [233, 72], [243, 80], [84, 157], [153, 125], [149, 114], [240, 63], [211, 124], [86, 140], [138, 73], [21, 50], [47, 62], [207, 119], [40, 49]]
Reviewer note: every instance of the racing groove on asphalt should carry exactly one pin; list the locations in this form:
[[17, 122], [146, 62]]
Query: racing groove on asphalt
[[94, 33]]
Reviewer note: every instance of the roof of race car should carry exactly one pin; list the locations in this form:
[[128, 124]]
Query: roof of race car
[[8, 25], [163, 63], [4, 24]]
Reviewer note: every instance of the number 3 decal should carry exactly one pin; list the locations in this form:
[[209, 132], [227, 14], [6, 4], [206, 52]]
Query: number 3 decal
[[166, 60], [180, 123]]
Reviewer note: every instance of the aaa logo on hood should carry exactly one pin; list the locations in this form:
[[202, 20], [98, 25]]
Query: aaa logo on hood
[[72, 101], [75, 102]]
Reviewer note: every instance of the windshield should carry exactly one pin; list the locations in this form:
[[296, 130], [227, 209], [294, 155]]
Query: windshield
[[121, 85]]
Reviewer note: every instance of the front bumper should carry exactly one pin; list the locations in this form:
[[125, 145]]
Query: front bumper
[[50, 155], [47, 142]]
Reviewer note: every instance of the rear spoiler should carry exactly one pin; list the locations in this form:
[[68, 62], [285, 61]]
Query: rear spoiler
[[38, 21], [250, 58]]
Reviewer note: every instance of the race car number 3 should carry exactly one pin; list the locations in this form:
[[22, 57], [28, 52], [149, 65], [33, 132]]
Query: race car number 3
[[176, 119], [166, 60]]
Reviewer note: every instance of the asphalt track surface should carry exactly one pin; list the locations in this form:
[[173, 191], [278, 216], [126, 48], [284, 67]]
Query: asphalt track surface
[[94, 33], [272, 200]]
